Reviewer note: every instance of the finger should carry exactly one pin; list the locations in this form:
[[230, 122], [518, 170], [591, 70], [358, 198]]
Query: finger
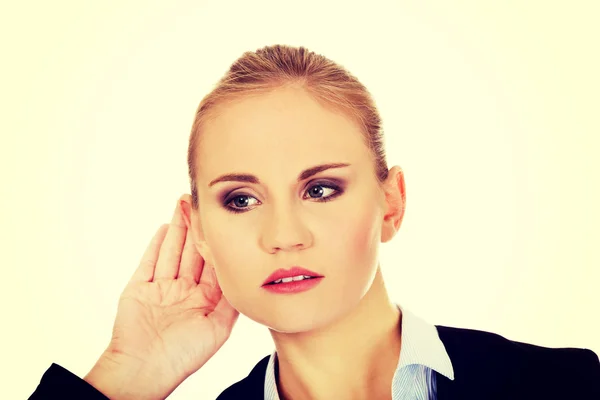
[[169, 256], [192, 263], [145, 270], [208, 276]]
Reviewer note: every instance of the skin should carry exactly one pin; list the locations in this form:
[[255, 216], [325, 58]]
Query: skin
[[348, 315]]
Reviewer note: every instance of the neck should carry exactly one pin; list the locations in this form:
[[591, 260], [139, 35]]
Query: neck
[[354, 357]]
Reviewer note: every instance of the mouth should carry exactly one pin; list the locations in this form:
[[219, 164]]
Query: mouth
[[293, 274], [294, 278]]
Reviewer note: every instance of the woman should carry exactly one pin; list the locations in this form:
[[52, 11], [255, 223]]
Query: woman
[[286, 162]]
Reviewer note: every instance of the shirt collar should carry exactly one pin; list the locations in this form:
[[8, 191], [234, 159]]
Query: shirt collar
[[421, 345]]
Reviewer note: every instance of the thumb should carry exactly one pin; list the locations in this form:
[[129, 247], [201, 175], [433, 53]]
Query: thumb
[[209, 277]]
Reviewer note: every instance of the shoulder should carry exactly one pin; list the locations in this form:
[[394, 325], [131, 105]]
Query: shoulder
[[489, 358], [250, 387], [493, 348]]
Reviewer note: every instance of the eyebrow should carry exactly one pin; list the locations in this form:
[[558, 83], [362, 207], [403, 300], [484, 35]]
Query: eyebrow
[[307, 173]]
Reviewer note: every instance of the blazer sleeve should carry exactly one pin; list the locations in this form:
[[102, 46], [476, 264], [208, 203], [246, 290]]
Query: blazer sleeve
[[59, 383], [590, 373], [566, 373]]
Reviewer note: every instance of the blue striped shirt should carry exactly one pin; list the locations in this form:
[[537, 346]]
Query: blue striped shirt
[[421, 353]]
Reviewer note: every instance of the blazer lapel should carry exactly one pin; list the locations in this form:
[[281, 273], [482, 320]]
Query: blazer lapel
[[476, 361]]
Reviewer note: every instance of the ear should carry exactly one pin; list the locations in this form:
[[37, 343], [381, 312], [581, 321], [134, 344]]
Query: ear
[[194, 226], [395, 203]]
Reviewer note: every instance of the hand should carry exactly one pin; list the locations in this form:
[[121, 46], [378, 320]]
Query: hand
[[171, 319]]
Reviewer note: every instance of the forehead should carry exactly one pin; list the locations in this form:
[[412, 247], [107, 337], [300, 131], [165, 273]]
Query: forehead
[[285, 129]]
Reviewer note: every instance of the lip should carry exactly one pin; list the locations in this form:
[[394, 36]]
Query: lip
[[288, 273], [293, 286]]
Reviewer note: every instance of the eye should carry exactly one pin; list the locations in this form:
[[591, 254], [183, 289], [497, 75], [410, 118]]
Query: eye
[[240, 203], [317, 192]]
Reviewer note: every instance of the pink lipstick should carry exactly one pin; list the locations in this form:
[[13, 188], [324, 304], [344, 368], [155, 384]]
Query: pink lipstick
[[293, 280]]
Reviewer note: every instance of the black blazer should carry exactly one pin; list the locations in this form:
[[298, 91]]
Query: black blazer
[[486, 367]]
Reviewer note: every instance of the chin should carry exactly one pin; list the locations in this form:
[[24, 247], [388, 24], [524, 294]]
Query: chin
[[300, 319], [289, 321], [295, 325], [302, 312]]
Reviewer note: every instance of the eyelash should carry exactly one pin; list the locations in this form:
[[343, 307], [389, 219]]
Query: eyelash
[[338, 191]]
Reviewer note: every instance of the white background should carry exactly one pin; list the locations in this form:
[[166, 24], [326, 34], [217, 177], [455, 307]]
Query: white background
[[491, 109]]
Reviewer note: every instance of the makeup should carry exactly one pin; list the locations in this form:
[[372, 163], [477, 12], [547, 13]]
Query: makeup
[[294, 280], [293, 286], [227, 198]]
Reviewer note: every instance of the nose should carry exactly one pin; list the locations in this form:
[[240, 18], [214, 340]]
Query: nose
[[284, 230]]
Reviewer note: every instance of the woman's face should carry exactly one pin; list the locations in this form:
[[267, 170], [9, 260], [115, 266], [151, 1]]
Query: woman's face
[[252, 228]]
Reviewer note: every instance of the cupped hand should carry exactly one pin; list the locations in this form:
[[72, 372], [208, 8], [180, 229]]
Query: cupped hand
[[172, 316]]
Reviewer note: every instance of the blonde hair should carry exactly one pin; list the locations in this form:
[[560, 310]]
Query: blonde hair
[[276, 66]]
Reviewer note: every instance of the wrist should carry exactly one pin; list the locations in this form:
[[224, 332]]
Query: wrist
[[119, 377]]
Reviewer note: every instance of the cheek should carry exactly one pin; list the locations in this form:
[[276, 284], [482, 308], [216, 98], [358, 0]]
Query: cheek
[[364, 240], [233, 255], [357, 238]]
